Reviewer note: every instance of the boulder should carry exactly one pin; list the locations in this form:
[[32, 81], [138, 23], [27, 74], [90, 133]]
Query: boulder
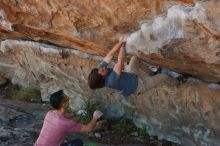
[[54, 45], [185, 39]]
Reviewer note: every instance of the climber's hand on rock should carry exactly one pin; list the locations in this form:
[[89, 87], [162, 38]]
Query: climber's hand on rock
[[97, 114], [123, 39]]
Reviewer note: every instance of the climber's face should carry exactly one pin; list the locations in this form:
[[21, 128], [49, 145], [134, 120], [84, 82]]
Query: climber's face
[[103, 71]]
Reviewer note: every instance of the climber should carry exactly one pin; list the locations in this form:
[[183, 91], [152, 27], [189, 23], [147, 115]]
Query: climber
[[57, 123], [127, 82]]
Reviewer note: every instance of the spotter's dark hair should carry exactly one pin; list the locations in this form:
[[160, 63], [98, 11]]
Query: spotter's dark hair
[[56, 99]]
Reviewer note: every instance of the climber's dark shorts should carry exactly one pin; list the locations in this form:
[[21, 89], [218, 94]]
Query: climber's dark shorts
[[75, 142]]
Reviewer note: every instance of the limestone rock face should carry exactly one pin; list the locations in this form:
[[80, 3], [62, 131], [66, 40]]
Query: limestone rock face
[[184, 113], [92, 26], [185, 39]]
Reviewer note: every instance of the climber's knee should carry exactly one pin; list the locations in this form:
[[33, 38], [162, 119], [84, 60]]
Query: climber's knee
[[134, 60], [133, 66]]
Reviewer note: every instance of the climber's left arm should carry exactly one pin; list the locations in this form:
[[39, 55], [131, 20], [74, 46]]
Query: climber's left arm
[[121, 59]]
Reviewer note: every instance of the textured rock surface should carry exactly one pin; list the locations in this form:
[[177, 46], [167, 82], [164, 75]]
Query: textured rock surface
[[20, 123], [185, 113], [94, 26], [91, 26], [186, 39]]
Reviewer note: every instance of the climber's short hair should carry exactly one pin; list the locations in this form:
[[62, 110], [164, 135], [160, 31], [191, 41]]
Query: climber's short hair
[[56, 99], [95, 80]]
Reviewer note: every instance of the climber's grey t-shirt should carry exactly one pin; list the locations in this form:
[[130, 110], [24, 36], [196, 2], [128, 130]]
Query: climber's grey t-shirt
[[126, 83]]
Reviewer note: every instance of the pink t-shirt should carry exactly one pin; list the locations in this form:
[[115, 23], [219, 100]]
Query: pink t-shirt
[[54, 129]]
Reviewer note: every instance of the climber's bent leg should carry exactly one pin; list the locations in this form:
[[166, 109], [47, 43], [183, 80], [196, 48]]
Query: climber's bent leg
[[145, 82], [133, 66], [150, 82], [137, 66]]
